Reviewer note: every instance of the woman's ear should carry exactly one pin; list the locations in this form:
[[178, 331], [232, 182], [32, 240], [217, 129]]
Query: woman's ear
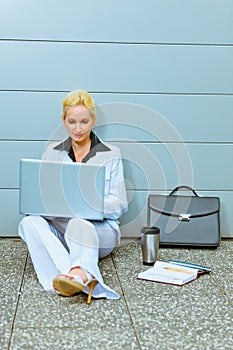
[[63, 119]]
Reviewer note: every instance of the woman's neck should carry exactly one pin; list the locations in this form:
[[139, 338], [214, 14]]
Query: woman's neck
[[81, 145], [81, 149]]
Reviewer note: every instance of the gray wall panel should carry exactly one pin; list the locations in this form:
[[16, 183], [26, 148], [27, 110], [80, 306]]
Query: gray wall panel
[[116, 67], [10, 155], [152, 166], [168, 65], [10, 217], [196, 118], [167, 21], [131, 222]]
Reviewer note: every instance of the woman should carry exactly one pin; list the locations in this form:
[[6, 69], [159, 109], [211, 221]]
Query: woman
[[65, 252]]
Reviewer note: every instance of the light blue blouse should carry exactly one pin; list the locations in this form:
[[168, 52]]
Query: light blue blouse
[[115, 200]]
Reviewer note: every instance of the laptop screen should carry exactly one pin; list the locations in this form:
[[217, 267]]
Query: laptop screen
[[61, 189]]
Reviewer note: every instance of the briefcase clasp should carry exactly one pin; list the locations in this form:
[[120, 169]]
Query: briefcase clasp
[[184, 217]]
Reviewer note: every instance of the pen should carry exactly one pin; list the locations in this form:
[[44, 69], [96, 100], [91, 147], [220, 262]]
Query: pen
[[193, 266], [174, 269]]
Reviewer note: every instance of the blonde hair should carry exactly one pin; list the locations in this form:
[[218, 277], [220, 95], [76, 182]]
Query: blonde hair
[[76, 98]]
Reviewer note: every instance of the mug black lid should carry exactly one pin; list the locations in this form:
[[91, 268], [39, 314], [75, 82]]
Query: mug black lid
[[150, 230]]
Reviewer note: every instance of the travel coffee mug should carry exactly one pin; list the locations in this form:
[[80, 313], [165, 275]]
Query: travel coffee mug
[[149, 244]]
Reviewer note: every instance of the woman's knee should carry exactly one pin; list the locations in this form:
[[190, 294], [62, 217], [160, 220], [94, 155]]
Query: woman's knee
[[82, 232], [29, 224], [30, 220], [22, 227]]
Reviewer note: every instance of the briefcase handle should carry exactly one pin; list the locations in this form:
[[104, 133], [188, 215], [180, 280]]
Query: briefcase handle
[[183, 187]]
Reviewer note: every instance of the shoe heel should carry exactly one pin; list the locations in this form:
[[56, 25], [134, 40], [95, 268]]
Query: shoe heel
[[91, 286]]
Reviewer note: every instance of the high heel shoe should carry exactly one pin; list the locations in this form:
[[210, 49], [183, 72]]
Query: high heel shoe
[[69, 285]]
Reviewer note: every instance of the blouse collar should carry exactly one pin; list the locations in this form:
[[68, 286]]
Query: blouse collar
[[96, 146]]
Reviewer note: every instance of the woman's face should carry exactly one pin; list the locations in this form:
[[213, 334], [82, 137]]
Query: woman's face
[[79, 123]]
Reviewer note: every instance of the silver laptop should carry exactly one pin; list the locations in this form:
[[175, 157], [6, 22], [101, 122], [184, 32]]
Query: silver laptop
[[61, 189]]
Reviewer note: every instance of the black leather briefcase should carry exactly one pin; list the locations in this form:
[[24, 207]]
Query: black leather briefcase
[[184, 220]]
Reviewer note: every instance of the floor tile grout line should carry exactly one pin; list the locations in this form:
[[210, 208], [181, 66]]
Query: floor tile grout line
[[221, 289], [17, 303], [127, 306]]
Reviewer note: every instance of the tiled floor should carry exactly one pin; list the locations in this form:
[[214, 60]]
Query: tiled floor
[[148, 315]]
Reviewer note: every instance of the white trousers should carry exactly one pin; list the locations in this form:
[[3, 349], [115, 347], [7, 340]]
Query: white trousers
[[81, 247]]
